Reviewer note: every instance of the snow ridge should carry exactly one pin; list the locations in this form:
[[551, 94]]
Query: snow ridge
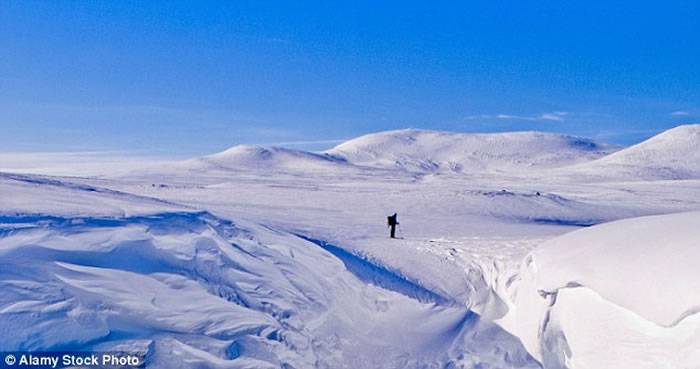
[[672, 154]]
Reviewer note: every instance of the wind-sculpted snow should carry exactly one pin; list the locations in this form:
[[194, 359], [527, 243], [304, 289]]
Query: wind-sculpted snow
[[195, 290], [382, 276], [589, 298]]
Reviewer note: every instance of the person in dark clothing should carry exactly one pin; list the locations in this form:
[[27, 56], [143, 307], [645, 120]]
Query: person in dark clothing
[[392, 222]]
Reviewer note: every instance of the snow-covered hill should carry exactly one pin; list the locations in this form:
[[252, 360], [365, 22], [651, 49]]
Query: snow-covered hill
[[594, 297], [267, 158], [421, 150], [407, 151], [242, 160], [414, 151], [672, 154]]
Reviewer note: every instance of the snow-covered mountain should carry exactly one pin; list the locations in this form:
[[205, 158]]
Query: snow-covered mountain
[[421, 150], [414, 151], [672, 154]]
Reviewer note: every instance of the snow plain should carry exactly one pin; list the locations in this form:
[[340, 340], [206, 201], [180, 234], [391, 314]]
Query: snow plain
[[517, 250]]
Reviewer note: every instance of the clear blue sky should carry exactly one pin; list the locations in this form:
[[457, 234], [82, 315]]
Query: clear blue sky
[[195, 77]]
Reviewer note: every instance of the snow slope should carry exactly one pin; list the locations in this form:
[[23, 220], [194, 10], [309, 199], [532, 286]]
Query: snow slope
[[32, 194], [421, 150], [592, 298], [672, 154], [243, 160], [74, 163], [270, 158], [191, 289]]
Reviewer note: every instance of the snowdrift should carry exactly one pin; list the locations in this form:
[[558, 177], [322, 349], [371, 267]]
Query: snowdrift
[[421, 150], [672, 154], [593, 297], [190, 289]]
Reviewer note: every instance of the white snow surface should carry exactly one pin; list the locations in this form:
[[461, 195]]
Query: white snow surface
[[591, 298], [423, 150], [673, 154], [271, 158], [263, 257], [621, 259]]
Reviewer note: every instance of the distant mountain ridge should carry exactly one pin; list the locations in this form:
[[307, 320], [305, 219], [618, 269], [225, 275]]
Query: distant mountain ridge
[[672, 154], [422, 150]]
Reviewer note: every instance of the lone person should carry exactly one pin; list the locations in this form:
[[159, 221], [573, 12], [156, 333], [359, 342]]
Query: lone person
[[392, 222]]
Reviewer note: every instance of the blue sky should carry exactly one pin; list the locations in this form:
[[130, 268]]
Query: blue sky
[[188, 78]]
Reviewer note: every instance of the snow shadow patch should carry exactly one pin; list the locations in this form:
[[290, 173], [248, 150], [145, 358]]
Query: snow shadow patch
[[381, 276], [567, 222], [178, 222]]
